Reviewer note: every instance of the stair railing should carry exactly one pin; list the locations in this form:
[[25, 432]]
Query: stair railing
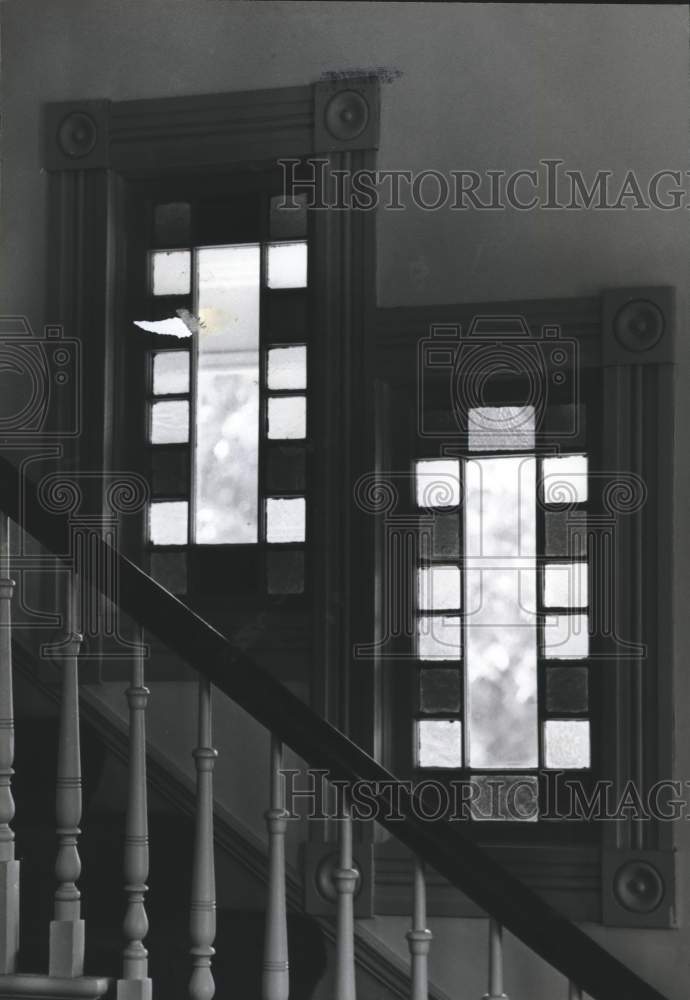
[[218, 662]]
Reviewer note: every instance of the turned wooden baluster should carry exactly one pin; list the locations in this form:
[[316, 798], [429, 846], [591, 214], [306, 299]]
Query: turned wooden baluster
[[495, 962], [345, 879], [202, 922], [9, 866], [135, 983], [67, 927], [419, 938], [275, 983], [574, 992]]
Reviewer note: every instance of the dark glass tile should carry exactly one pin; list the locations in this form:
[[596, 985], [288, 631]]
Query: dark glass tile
[[285, 572], [567, 689], [170, 472], [288, 223], [285, 470], [228, 221], [172, 224], [439, 690], [565, 533], [446, 536], [286, 315]]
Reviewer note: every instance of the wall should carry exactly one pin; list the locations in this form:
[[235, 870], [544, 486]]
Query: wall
[[471, 86]]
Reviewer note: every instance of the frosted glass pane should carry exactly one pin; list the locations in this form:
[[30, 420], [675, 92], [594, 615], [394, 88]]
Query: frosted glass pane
[[171, 272], [500, 609], [438, 588], [565, 585], [285, 519], [168, 522], [287, 265], [513, 798], [170, 422], [565, 479], [439, 689], [170, 372], [287, 418], [566, 743], [439, 743], [227, 421], [437, 483], [566, 637], [501, 428], [287, 367], [439, 637]]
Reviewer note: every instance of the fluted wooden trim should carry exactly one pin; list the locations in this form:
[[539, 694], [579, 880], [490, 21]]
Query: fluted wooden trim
[[66, 953], [9, 866], [135, 983], [275, 981], [419, 937], [202, 918], [495, 962], [345, 879]]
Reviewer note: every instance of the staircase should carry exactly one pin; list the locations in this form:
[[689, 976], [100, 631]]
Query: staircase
[[196, 951]]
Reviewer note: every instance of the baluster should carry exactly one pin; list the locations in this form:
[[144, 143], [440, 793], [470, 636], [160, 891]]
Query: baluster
[[574, 992], [202, 922], [67, 927], [419, 938], [9, 866], [495, 962], [345, 879], [135, 983], [276, 977]]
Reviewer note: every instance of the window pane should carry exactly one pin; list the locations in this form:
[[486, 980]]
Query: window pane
[[438, 588], [565, 479], [439, 743], [171, 272], [446, 536], [285, 572], [170, 422], [511, 797], [439, 689], [285, 471], [170, 372], [500, 593], [565, 585], [170, 471], [287, 418], [566, 637], [566, 534], [567, 689], [287, 265], [438, 637], [168, 522], [285, 519], [174, 326], [172, 224], [226, 459], [288, 222], [566, 743], [170, 570], [438, 483], [287, 367], [501, 428]]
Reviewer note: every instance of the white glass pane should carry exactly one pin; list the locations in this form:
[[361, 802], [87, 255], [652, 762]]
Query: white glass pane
[[500, 608], [170, 422], [437, 483], [287, 367], [501, 428], [566, 637], [565, 585], [226, 458], [287, 417], [439, 637], [438, 588], [171, 272], [168, 522], [170, 372], [285, 519], [439, 743], [287, 265], [566, 743], [172, 327], [565, 479]]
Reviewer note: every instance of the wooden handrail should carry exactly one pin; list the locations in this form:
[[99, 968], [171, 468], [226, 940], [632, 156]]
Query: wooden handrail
[[441, 844]]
